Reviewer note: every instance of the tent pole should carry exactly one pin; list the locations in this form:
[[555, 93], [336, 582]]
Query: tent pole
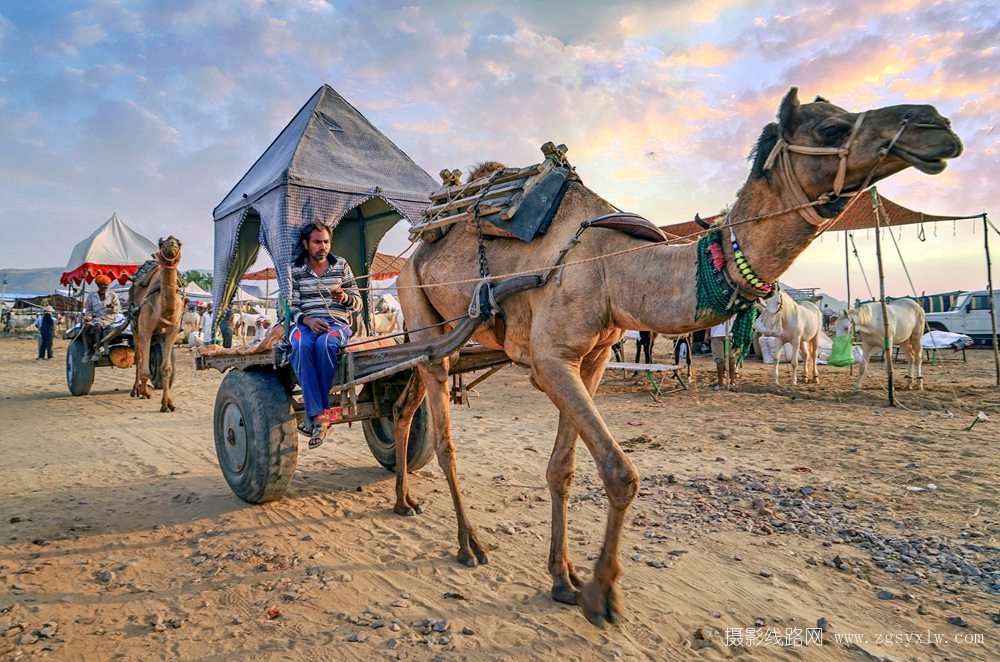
[[847, 274], [886, 340], [989, 288]]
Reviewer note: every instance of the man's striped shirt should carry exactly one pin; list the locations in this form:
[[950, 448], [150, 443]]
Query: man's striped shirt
[[311, 293]]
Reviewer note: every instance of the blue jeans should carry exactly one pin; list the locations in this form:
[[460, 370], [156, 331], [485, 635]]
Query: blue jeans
[[314, 360]]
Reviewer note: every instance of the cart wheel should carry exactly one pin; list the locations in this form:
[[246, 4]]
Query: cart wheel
[[155, 358], [79, 375], [255, 436], [380, 432]]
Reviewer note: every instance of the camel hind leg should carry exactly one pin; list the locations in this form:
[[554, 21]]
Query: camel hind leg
[[435, 377], [402, 413], [141, 387]]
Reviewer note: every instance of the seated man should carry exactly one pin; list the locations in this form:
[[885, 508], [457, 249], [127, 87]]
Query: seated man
[[323, 297], [98, 314]]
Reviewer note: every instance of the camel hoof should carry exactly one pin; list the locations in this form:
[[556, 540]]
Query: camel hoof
[[599, 604], [466, 558], [404, 510], [565, 595], [167, 408], [472, 557]]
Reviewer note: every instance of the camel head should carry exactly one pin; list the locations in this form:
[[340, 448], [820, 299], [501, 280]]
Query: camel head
[[884, 142], [170, 250]]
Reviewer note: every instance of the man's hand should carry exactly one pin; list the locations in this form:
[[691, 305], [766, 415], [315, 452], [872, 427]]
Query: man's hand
[[338, 294], [316, 325]]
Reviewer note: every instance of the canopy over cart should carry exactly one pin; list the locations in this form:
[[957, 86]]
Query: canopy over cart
[[329, 165]]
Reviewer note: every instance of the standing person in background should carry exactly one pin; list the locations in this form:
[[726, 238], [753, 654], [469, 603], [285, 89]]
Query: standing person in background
[[722, 352], [323, 297], [226, 328], [206, 324], [827, 316], [46, 324]]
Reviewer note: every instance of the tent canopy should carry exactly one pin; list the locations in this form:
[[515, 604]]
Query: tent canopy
[[264, 274], [859, 216], [114, 249], [328, 165]]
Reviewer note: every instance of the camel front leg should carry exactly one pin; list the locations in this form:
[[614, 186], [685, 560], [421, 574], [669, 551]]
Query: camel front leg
[[435, 377], [403, 411], [566, 584], [141, 387], [562, 382], [167, 370]]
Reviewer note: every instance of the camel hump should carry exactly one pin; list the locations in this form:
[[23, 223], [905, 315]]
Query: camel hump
[[144, 274]]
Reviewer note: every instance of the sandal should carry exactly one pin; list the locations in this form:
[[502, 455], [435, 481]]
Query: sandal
[[318, 435], [305, 427]]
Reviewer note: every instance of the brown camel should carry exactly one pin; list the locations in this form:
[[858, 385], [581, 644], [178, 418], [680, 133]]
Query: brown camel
[[157, 305], [563, 331]]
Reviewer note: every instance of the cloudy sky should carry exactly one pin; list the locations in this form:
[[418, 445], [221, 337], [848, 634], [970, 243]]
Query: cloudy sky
[[156, 109]]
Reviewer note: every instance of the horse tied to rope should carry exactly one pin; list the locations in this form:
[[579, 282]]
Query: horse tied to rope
[[906, 329]]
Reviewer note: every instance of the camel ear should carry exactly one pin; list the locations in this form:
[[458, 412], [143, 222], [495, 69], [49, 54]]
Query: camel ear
[[786, 111], [820, 99]]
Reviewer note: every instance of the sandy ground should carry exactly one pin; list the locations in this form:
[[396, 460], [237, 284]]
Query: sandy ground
[[121, 540]]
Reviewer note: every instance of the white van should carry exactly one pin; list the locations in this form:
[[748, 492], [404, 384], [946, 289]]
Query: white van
[[970, 315]]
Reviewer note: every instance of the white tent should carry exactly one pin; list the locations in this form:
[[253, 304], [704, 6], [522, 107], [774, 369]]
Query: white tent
[[114, 249], [195, 292]]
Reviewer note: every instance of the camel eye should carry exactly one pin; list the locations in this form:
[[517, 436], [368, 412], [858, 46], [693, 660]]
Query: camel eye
[[834, 133]]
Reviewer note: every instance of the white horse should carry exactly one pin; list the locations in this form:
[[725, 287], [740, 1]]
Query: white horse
[[798, 324], [388, 317], [906, 326]]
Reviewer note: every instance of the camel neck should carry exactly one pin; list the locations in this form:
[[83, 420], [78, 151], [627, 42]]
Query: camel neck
[[168, 286], [770, 245]]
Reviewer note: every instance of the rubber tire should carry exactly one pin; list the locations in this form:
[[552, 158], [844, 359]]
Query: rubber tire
[[255, 437], [155, 357], [79, 375], [381, 436]]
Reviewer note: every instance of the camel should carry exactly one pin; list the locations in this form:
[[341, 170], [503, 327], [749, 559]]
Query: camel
[[563, 331], [157, 305]]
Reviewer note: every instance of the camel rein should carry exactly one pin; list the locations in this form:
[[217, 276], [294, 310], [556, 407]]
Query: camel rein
[[802, 205]]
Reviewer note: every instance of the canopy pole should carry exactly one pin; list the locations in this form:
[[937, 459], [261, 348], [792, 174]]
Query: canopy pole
[[886, 340], [989, 289], [847, 274]]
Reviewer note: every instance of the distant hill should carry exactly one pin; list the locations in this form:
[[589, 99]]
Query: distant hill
[[32, 281]]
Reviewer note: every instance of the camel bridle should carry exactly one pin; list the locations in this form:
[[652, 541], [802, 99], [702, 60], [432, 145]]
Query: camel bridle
[[168, 262], [782, 150]]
